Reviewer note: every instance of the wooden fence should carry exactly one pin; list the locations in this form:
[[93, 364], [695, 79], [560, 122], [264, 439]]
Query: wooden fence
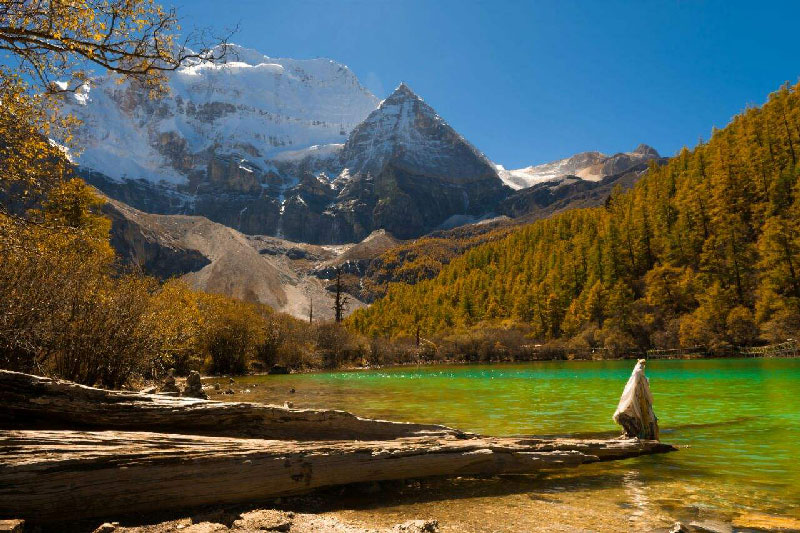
[[784, 349], [694, 352], [789, 348]]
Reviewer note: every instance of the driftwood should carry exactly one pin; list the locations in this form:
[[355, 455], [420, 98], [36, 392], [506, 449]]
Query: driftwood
[[160, 453], [35, 401], [47, 475], [635, 410]]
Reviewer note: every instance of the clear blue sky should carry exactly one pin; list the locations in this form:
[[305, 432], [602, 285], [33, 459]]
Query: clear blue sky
[[528, 82]]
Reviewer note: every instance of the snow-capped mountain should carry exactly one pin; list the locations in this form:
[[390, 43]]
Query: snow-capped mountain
[[590, 166], [252, 144], [407, 133], [406, 170], [233, 118]]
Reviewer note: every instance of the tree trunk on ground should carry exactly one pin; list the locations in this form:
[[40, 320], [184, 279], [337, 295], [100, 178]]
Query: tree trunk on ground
[[26, 400], [161, 453], [48, 474]]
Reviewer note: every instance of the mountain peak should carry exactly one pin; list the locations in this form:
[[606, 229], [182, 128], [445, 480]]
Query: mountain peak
[[253, 107], [644, 149], [402, 92], [408, 132], [589, 166], [231, 53]]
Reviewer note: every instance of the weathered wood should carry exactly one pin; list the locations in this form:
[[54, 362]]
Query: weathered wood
[[26, 400], [48, 474], [635, 410]]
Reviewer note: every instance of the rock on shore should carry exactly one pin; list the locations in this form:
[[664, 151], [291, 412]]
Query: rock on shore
[[267, 520]]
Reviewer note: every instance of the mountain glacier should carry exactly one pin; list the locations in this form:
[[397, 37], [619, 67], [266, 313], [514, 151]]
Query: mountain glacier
[[249, 107]]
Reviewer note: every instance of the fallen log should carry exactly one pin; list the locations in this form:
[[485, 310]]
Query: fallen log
[[33, 401], [46, 475]]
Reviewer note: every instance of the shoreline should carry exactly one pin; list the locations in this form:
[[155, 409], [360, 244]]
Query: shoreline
[[572, 502], [453, 362], [598, 497]]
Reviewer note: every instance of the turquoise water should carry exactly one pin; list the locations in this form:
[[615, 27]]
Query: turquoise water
[[737, 421]]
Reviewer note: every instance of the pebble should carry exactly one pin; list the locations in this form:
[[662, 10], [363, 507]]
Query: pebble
[[679, 528], [107, 527]]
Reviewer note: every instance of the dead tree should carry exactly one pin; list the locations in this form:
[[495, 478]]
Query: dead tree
[[635, 410], [340, 299]]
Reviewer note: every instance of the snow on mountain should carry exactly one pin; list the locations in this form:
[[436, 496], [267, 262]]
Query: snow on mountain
[[250, 106], [405, 170], [409, 133], [590, 166], [317, 151]]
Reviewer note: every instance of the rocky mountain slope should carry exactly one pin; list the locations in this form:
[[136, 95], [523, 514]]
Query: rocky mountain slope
[[283, 147], [215, 258], [569, 192], [419, 259], [407, 171], [287, 275], [590, 166]]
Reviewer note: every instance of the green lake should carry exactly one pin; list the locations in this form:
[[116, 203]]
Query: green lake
[[736, 421]]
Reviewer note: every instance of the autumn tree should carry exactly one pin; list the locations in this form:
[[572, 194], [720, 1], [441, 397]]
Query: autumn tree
[[66, 307], [54, 46], [56, 43]]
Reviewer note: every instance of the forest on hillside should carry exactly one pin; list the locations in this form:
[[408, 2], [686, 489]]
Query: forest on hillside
[[422, 258], [703, 251]]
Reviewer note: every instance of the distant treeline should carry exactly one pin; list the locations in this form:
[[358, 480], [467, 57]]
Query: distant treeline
[[703, 251]]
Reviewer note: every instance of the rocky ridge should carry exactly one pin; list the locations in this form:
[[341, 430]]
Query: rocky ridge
[[407, 171], [215, 258], [589, 166]]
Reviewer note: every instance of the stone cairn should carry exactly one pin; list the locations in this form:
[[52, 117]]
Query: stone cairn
[[194, 388], [169, 386]]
